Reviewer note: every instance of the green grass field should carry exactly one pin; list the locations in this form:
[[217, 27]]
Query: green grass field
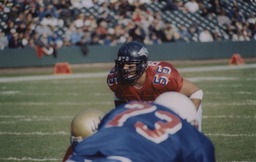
[[36, 114]]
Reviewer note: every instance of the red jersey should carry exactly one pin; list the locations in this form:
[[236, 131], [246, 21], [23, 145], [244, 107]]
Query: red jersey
[[160, 77], [68, 153]]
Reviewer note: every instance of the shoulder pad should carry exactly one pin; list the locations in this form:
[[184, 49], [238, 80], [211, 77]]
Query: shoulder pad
[[112, 79]]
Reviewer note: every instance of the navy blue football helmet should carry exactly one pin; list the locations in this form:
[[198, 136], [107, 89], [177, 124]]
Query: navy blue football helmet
[[131, 53]]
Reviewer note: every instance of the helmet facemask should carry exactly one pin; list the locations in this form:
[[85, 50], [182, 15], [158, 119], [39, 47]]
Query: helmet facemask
[[131, 74]]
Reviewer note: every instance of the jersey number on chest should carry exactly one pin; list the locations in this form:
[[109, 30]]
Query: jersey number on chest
[[160, 77]]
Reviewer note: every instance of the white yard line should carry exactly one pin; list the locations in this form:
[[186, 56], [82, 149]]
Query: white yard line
[[230, 116], [217, 68], [5, 119], [35, 117], [56, 103], [67, 133], [35, 133], [29, 159], [49, 77], [229, 135], [196, 79], [244, 103]]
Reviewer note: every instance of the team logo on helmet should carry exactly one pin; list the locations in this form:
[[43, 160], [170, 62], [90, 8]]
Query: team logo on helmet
[[143, 52]]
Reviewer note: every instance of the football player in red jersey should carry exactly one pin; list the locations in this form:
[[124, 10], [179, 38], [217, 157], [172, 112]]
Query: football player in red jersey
[[135, 78]]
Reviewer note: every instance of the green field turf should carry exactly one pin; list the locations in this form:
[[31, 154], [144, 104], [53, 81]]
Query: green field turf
[[36, 114]]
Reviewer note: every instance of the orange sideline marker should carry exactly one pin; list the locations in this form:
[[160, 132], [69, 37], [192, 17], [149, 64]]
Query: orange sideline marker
[[62, 68], [236, 58]]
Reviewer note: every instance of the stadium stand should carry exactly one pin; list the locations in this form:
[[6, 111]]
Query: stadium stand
[[109, 22]]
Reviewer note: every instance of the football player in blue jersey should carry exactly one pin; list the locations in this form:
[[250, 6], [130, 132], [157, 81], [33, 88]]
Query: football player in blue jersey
[[164, 130], [84, 124]]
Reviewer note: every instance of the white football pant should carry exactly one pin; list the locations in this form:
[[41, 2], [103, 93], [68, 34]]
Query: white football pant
[[199, 117]]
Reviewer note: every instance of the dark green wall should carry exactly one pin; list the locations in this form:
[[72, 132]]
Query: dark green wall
[[99, 54]]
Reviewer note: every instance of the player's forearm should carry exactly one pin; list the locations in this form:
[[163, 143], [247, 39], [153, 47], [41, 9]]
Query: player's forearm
[[197, 102]]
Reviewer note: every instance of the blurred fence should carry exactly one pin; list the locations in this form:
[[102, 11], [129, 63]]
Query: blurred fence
[[27, 57]]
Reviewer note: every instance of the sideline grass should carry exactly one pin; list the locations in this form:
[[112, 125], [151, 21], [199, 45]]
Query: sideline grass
[[35, 115]]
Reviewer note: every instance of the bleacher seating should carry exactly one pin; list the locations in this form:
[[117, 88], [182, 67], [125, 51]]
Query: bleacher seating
[[173, 17]]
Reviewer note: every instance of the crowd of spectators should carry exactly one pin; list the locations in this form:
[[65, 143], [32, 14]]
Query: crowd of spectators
[[62, 23]]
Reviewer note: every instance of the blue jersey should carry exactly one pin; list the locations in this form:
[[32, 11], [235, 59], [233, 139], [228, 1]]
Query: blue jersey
[[145, 132]]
